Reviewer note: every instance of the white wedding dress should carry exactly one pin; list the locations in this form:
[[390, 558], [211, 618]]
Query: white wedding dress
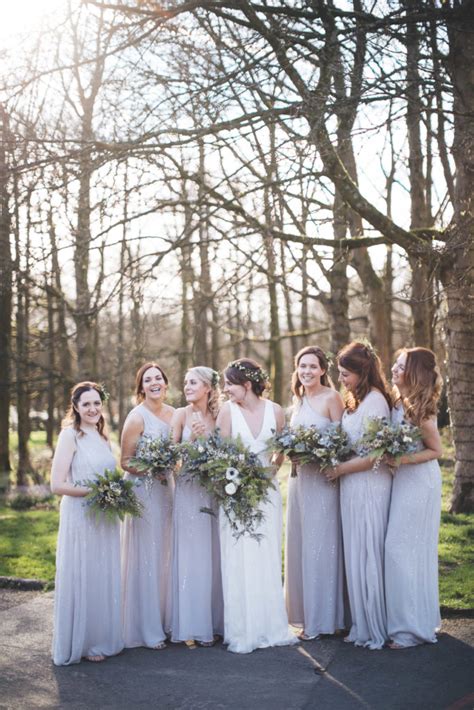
[[254, 607]]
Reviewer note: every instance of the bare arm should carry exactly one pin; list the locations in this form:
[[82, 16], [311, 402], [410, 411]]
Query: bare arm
[[336, 407], [224, 421], [63, 456], [432, 442], [177, 425], [355, 465], [277, 459], [132, 430]]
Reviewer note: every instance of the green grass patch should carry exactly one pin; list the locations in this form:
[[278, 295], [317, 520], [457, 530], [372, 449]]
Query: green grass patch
[[28, 537], [28, 543]]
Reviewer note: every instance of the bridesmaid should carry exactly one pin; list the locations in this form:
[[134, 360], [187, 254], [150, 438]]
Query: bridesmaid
[[365, 496], [314, 558], [146, 541], [87, 589], [411, 546], [197, 611]]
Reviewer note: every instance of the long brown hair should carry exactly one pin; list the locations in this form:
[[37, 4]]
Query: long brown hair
[[296, 385], [362, 359], [423, 384], [139, 394], [73, 418]]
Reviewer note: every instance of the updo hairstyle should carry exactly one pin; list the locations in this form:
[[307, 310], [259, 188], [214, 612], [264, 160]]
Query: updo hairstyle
[[243, 370]]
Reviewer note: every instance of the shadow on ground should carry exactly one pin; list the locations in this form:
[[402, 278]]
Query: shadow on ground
[[321, 674]]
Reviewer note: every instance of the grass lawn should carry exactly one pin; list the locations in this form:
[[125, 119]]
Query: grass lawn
[[28, 538]]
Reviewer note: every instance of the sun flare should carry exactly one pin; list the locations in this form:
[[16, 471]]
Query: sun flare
[[23, 15]]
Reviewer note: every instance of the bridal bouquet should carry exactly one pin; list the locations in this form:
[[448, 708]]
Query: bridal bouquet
[[155, 456], [233, 475], [112, 496], [382, 437], [310, 445]]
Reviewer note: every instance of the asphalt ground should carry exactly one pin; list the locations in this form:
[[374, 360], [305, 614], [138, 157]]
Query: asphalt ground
[[319, 674]]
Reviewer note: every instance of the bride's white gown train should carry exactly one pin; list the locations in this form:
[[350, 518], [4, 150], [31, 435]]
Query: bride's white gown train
[[254, 608]]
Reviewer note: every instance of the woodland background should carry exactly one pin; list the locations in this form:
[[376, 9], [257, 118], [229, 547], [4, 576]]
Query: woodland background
[[197, 181]]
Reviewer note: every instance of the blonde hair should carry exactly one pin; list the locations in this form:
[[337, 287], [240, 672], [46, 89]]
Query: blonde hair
[[210, 378], [423, 385]]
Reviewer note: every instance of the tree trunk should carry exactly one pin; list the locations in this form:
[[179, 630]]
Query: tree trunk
[[65, 358], [51, 396], [5, 294], [458, 274], [422, 291]]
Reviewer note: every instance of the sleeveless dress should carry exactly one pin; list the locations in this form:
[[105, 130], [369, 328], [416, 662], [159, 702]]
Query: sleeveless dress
[[314, 559], [365, 502], [197, 610], [411, 552], [146, 551], [254, 607], [87, 588]]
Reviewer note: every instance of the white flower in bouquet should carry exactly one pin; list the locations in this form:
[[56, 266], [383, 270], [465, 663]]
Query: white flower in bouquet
[[230, 488], [232, 474]]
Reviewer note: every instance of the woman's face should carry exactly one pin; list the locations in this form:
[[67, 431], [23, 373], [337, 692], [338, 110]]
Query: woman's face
[[309, 370], [154, 385], [194, 388], [89, 407], [398, 370], [236, 393], [348, 379]]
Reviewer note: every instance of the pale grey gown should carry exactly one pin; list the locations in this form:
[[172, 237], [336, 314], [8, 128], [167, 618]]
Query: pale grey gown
[[411, 552], [314, 558], [197, 609], [146, 553], [87, 588], [254, 606], [365, 502]]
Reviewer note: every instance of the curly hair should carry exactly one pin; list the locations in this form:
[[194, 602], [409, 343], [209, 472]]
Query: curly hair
[[73, 418], [139, 394], [210, 378], [361, 359], [243, 370], [296, 385], [422, 385]]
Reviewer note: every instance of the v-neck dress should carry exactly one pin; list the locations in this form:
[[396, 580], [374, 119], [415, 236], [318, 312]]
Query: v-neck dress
[[254, 607]]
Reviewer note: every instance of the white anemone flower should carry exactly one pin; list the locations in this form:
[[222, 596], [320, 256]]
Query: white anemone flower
[[231, 473], [230, 489]]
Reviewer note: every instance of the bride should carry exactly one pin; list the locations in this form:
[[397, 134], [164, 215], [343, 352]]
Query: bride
[[254, 608]]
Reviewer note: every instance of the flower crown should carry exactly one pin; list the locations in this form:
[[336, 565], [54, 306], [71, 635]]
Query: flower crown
[[250, 373], [103, 393], [368, 346]]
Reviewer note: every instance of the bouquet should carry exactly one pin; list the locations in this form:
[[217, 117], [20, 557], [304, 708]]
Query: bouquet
[[382, 437], [233, 475], [155, 456], [111, 495], [310, 445]]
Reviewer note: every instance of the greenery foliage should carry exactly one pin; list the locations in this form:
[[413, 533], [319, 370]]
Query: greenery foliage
[[28, 541]]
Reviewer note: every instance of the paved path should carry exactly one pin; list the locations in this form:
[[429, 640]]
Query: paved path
[[191, 678]]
